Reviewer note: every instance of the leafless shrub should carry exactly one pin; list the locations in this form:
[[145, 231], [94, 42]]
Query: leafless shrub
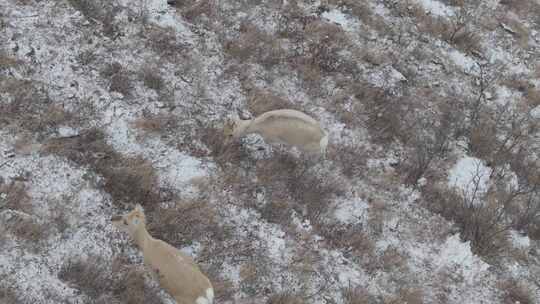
[[7, 61], [198, 9], [515, 292], [325, 41], [13, 196], [521, 7], [87, 276], [156, 123], [456, 31], [30, 108], [164, 42], [100, 11], [352, 240], [392, 259], [186, 222], [357, 295], [285, 298], [351, 158], [124, 285], [127, 179], [256, 45], [8, 296], [406, 295], [28, 228], [151, 78]]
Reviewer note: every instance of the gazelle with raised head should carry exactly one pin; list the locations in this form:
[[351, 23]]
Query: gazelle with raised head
[[286, 126], [176, 272]]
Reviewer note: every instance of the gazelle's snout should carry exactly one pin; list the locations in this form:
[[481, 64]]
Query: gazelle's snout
[[116, 218]]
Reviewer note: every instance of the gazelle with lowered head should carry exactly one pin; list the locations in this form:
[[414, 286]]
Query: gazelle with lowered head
[[286, 126], [176, 272]]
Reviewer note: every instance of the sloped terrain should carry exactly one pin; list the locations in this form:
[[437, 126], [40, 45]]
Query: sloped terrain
[[429, 192]]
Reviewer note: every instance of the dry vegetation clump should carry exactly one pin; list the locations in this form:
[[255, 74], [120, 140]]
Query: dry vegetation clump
[[13, 196], [515, 292], [285, 178], [156, 123], [163, 41], [199, 10], [8, 296], [125, 284], [27, 228], [406, 295], [152, 78], [457, 31], [126, 179], [262, 100], [350, 158], [119, 78], [186, 222], [352, 240], [255, 45], [524, 8], [357, 295], [285, 298], [7, 61], [103, 12], [325, 41], [482, 222], [29, 107]]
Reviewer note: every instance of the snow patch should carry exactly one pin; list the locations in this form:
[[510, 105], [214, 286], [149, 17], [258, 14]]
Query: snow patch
[[519, 240], [437, 8], [468, 172]]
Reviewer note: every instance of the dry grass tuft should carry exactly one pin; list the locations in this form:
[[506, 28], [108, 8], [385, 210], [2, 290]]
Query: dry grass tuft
[[164, 42], [125, 284], [30, 108], [285, 298], [152, 78], [515, 292], [126, 179], [8, 296], [156, 123], [13, 196], [255, 45], [186, 222], [356, 295]]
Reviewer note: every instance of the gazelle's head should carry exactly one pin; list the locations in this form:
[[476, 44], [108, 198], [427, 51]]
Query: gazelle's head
[[233, 129], [130, 222]]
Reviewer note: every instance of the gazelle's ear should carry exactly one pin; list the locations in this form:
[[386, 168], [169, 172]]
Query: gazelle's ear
[[139, 208]]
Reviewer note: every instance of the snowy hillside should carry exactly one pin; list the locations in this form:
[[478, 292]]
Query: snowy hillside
[[429, 192]]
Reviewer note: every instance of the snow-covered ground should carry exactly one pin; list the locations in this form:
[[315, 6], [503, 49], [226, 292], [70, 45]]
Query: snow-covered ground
[[374, 233]]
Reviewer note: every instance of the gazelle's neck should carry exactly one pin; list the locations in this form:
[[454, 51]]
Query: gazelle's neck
[[242, 127], [142, 237]]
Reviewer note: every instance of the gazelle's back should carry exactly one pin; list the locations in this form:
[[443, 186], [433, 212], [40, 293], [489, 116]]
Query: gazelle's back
[[178, 274], [291, 127]]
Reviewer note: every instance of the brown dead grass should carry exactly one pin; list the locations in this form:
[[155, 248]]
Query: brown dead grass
[[515, 292], [406, 295], [125, 284], [8, 296], [358, 295], [186, 222], [520, 31], [126, 179], [14, 196], [31, 108], [285, 298]]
